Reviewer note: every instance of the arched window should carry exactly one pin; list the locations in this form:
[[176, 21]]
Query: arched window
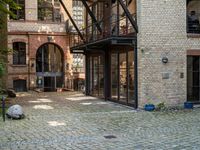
[[20, 13], [193, 16], [19, 54], [49, 10], [49, 58]]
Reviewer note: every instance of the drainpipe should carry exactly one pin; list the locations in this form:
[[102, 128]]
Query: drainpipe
[[29, 62], [136, 73]]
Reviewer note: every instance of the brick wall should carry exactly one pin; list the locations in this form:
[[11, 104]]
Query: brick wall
[[35, 33], [26, 26], [33, 42], [162, 33]]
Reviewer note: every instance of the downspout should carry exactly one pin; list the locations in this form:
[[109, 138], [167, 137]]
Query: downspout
[[29, 62]]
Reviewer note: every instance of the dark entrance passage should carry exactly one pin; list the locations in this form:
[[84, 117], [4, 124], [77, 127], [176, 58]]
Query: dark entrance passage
[[49, 67], [193, 78], [19, 85]]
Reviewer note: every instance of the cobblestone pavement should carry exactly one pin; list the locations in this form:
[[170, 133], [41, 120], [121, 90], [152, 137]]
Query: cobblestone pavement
[[72, 121]]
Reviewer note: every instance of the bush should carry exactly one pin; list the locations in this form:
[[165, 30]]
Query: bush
[[160, 106]]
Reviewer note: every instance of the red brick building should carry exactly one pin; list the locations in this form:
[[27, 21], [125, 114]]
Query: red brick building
[[41, 57]]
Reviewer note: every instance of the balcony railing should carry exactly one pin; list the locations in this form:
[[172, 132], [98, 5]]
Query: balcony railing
[[193, 24], [112, 26]]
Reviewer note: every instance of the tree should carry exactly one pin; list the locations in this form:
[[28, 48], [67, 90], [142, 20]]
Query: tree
[[4, 11]]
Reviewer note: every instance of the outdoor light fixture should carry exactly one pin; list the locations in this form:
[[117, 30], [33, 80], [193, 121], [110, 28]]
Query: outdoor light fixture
[[106, 5], [165, 60], [50, 38]]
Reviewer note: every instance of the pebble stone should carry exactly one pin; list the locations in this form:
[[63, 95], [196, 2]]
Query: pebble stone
[[72, 121]]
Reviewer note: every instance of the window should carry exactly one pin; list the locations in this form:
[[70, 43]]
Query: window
[[49, 10], [19, 85], [193, 16], [20, 14], [19, 55]]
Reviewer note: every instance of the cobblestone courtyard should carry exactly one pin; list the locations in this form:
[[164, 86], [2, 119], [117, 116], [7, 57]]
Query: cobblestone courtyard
[[72, 121]]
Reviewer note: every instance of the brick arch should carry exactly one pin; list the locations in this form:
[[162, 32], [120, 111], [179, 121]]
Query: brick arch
[[60, 48], [36, 41]]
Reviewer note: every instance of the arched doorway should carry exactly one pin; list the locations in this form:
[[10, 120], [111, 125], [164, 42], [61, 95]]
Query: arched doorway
[[49, 67]]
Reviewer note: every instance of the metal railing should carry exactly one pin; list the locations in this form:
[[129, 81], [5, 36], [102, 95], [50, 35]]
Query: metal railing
[[193, 24], [113, 25]]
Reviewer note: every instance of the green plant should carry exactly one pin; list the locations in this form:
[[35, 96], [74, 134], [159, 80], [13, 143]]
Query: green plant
[[160, 106]]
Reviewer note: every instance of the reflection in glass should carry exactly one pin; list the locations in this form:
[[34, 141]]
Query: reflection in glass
[[97, 76], [114, 76], [101, 77], [131, 77], [49, 67], [123, 76], [49, 59]]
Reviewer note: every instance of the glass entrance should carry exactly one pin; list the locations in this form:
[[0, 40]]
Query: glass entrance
[[122, 76], [97, 76], [193, 78], [49, 67], [114, 76]]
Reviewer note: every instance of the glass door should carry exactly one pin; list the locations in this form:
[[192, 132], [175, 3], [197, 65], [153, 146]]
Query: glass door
[[131, 95], [123, 77], [114, 76], [97, 76], [193, 76]]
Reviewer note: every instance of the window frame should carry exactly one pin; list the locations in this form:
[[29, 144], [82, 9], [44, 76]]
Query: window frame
[[53, 9], [19, 52], [189, 27], [17, 12]]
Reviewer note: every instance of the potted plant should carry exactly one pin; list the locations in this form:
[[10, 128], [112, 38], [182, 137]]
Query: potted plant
[[149, 107], [188, 105]]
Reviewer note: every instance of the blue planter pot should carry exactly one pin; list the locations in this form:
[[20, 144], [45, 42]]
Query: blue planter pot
[[149, 107], [188, 105]]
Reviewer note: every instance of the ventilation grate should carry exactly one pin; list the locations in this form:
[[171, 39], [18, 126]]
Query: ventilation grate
[[110, 137]]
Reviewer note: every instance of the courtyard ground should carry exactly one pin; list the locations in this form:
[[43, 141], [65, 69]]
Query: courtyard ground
[[72, 121]]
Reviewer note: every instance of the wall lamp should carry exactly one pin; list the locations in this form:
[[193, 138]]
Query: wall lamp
[[165, 60]]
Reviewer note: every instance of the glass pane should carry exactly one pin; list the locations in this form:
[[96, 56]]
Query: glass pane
[[114, 76], [123, 76], [91, 75], [101, 76], [39, 60], [189, 78], [195, 78], [195, 63], [51, 57], [59, 82], [196, 93], [58, 60], [131, 77], [95, 80]]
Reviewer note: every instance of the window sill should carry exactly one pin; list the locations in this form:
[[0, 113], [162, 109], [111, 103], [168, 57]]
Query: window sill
[[15, 65], [193, 35]]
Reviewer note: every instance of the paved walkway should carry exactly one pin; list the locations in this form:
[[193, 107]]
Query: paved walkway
[[75, 122]]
